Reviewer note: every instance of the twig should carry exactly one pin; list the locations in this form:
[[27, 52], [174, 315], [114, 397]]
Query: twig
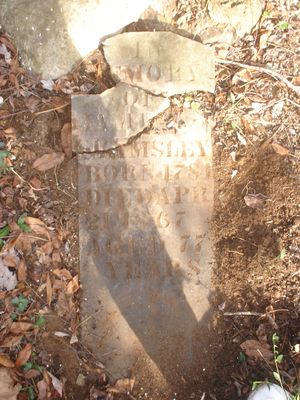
[[13, 114], [24, 180], [243, 313], [256, 314], [267, 71], [52, 109]]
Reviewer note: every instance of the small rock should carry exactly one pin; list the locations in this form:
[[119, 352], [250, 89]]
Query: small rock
[[242, 16], [81, 380]]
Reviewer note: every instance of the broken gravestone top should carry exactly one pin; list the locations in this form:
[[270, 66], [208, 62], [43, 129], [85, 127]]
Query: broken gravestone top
[[53, 35], [161, 62], [105, 121]]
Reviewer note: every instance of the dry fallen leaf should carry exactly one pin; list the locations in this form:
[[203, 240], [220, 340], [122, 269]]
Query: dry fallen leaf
[[62, 273], [38, 226], [6, 361], [22, 271], [32, 373], [255, 200], [66, 139], [24, 355], [48, 161], [42, 389], [20, 327], [257, 350], [49, 290], [280, 149], [296, 80], [73, 285], [123, 386], [8, 389], [11, 341]]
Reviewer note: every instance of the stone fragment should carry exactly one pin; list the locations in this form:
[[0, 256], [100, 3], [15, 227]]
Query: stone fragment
[[52, 35], [146, 255], [161, 62], [226, 21], [240, 15], [108, 120]]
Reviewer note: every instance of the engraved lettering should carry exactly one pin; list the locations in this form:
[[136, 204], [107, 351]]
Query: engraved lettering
[[153, 73], [179, 218], [179, 193]]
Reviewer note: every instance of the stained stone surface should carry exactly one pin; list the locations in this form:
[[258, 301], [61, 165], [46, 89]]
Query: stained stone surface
[[146, 255], [242, 15], [161, 62], [105, 121], [52, 35]]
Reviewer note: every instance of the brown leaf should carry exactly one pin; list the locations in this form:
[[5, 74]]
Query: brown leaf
[[32, 373], [6, 361], [22, 271], [296, 80], [66, 139], [62, 273], [48, 161], [36, 183], [257, 350], [280, 149], [38, 226], [24, 355], [62, 305], [8, 389], [255, 200], [123, 386], [11, 341], [49, 290], [73, 285], [32, 103], [42, 389], [10, 261], [20, 327], [47, 248], [96, 394]]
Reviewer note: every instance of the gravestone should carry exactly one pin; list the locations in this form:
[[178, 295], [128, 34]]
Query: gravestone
[[146, 255], [161, 62], [107, 120]]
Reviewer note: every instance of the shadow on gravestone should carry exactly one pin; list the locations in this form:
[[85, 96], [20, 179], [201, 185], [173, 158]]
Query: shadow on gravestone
[[145, 254]]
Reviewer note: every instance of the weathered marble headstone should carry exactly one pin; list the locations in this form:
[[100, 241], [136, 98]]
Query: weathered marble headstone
[[108, 120], [146, 255], [161, 62], [52, 35]]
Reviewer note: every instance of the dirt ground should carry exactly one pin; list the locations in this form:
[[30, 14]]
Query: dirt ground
[[256, 221]]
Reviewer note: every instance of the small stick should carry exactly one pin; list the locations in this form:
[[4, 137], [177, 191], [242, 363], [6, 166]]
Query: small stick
[[23, 180], [243, 313], [13, 114], [52, 109], [256, 314], [267, 71]]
